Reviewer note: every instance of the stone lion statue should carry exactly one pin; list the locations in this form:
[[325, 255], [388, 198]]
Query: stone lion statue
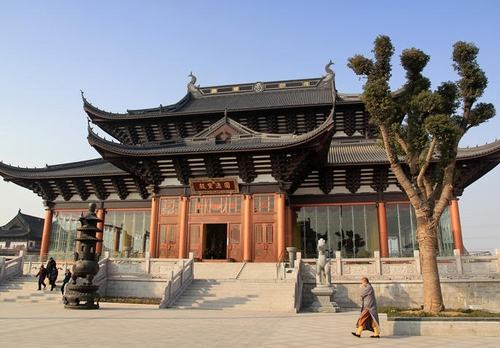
[[323, 268]]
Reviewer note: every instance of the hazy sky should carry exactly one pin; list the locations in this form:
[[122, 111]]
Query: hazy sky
[[137, 54]]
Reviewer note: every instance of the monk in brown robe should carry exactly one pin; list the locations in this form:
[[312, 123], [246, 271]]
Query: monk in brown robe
[[368, 319]]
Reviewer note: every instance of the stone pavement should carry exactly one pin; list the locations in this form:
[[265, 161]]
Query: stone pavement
[[127, 325]]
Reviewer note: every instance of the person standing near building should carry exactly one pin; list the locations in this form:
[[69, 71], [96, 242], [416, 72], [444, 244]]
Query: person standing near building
[[52, 273], [67, 278], [368, 319], [42, 274], [53, 277]]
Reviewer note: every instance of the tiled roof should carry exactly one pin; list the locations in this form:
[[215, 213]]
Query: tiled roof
[[245, 142], [293, 93], [88, 168], [22, 225], [362, 153], [372, 152]]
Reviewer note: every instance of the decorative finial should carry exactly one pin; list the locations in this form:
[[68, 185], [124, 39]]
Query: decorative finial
[[330, 76], [92, 207], [191, 85], [329, 70], [225, 115]]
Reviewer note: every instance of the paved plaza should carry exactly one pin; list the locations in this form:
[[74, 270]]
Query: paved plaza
[[128, 325]]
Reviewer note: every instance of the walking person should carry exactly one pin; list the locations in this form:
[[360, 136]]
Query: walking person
[[51, 271], [67, 278], [53, 277], [368, 319], [42, 274]]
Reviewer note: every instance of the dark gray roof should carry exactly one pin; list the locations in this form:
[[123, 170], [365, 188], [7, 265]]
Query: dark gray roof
[[22, 225], [274, 94], [88, 168], [253, 141], [372, 152]]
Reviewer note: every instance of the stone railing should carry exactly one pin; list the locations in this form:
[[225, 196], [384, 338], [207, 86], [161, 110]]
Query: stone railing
[[11, 268], [299, 283], [178, 282], [456, 266]]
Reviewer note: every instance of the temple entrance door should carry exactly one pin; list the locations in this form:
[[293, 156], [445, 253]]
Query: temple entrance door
[[265, 248], [169, 248], [215, 246], [234, 246]]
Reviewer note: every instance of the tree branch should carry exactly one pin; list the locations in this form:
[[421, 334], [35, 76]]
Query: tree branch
[[398, 170], [421, 175]]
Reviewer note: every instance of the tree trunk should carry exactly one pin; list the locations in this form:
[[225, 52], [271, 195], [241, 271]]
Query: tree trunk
[[427, 239]]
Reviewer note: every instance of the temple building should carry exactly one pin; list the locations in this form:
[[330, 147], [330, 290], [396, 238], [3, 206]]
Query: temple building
[[22, 232], [240, 172]]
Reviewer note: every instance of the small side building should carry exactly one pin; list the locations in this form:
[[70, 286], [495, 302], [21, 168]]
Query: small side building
[[23, 232]]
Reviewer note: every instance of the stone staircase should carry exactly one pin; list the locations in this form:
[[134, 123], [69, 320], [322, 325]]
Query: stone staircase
[[238, 286], [24, 289]]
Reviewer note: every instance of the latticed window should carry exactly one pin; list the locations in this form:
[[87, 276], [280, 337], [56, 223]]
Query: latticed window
[[263, 233], [169, 206], [234, 236], [194, 234], [215, 205], [263, 204], [168, 233]]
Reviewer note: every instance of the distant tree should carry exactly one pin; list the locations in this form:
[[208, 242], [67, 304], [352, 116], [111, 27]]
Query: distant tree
[[424, 127]]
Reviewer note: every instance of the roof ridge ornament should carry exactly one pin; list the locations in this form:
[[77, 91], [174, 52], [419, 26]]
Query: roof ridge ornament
[[192, 88], [330, 76]]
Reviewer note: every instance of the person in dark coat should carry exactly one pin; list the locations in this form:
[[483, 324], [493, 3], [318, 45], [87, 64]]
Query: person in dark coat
[[52, 272], [67, 278], [42, 274], [53, 277], [368, 319]]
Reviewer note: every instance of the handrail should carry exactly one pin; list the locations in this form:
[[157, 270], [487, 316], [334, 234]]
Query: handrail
[[281, 260], [178, 282], [11, 268]]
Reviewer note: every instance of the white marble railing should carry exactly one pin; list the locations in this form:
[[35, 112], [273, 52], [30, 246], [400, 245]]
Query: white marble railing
[[178, 282], [11, 268], [456, 266]]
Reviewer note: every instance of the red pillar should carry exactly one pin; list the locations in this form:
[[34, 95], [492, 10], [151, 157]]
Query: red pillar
[[99, 235], [456, 226], [247, 228], [183, 227], [382, 230], [153, 227], [280, 223], [47, 230]]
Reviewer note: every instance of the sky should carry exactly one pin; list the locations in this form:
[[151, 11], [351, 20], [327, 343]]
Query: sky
[[137, 54]]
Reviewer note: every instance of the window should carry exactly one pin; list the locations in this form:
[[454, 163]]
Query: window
[[350, 229], [212, 205], [169, 206], [168, 234], [234, 234], [263, 204], [263, 233]]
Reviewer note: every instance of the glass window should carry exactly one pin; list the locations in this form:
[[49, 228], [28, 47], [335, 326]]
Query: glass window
[[63, 233], [402, 226], [350, 229], [126, 233]]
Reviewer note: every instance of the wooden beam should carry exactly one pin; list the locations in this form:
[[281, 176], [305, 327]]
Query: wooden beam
[[81, 188]]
